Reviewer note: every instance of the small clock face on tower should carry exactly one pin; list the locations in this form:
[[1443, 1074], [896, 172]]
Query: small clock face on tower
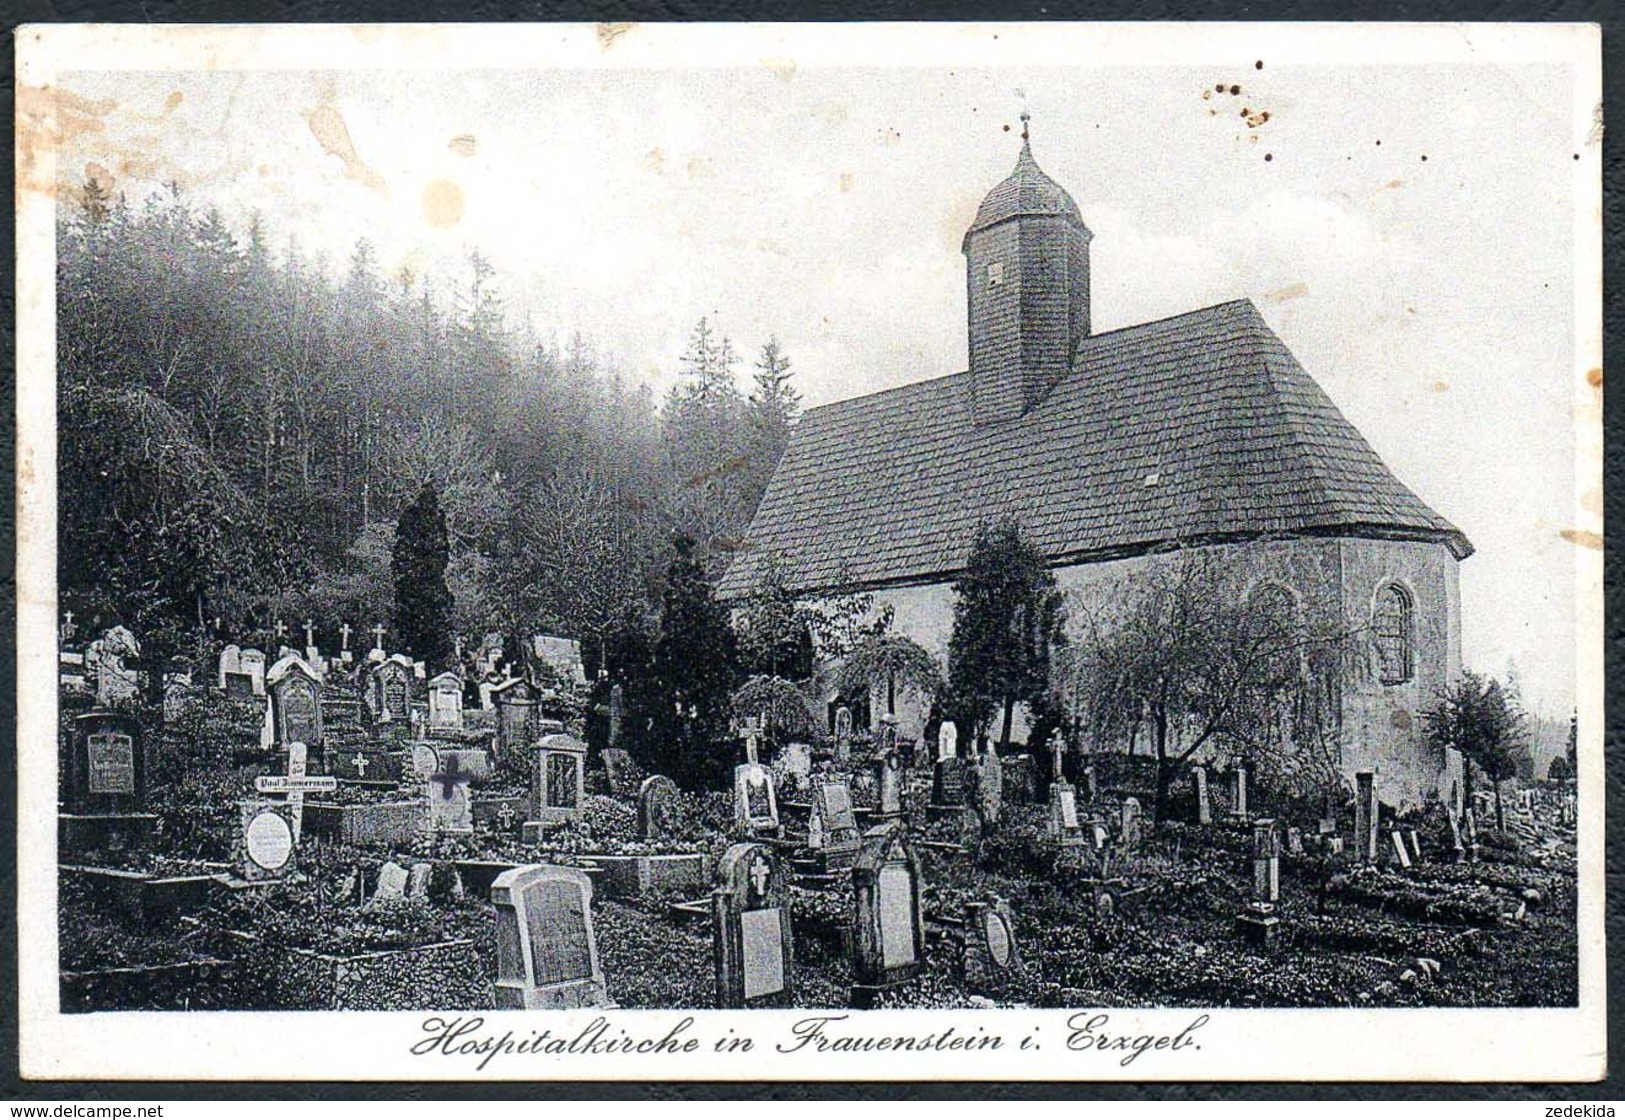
[[995, 274]]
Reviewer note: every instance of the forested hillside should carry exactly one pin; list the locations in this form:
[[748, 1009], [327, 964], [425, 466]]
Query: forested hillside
[[240, 424]]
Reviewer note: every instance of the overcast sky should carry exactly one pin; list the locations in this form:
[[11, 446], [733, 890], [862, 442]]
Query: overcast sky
[[1406, 230]]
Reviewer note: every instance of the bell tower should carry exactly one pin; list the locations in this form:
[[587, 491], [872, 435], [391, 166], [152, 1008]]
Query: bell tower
[[1027, 286]]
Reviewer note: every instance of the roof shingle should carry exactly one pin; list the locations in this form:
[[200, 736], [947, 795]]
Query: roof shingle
[[1197, 427]]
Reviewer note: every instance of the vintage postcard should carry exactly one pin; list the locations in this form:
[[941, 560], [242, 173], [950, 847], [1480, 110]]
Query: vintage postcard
[[1021, 552]]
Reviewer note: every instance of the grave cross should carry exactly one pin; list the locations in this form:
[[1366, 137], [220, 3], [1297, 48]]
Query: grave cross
[[759, 874], [344, 632], [450, 777], [295, 785], [1055, 760], [310, 633], [281, 629], [749, 736], [378, 636], [67, 622], [360, 764]]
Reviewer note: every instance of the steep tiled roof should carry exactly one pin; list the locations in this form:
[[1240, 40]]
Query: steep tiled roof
[[1198, 427], [1026, 190]]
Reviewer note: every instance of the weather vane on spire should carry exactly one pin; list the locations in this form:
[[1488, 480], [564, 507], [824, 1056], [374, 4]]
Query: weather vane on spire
[[1025, 117]]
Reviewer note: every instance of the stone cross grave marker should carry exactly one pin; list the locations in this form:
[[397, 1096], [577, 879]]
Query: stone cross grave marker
[[296, 702], [991, 955], [660, 809], [1365, 816], [756, 806], [888, 935], [446, 702], [295, 784], [344, 640], [752, 948], [1204, 807], [547, 957]]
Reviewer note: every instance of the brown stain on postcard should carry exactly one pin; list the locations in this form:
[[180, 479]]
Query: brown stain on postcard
[[609, 32], [442, 203], [327, 125], [464, 145], [1585, 538]]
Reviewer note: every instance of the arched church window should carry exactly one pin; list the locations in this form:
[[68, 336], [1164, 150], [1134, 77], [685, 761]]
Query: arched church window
[[1392, 624]]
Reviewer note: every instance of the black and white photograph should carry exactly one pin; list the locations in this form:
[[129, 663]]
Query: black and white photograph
[[958, 551]]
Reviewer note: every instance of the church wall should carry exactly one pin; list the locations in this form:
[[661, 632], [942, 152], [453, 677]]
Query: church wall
[[1383, 728], [1331, 579]]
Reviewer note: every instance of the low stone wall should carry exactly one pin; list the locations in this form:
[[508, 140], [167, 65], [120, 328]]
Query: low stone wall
[[392, 822], [444, 976], [638, 876]]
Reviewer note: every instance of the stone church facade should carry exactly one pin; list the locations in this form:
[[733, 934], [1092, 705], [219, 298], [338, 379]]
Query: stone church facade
[[1114, 450]]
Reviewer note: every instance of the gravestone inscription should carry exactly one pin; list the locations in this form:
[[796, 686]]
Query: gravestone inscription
[[547, 956]]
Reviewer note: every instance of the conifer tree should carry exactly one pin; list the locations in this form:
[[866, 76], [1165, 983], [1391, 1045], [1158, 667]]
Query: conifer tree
[[1007, 620], [418, 564], [695, 662]]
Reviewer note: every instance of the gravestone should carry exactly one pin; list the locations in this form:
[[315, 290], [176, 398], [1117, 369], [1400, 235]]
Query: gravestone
[[417, 886], [991, 958], [446, 702], [107, 772], [835, 824], [253, 664], [797, 759], [516, 704], [1062, 825], [888, 922], [660, 809], [1365, 816], [990, 785], [231, 661], [1091, 786], [1415, 844], [1258, 923], [1400, 851], [617, 713], [891, 786], [947, 741], [843, 724], [363, 764], [1129, 825], [1238, 792], [1204, 807], [752, 947], [240, 686], [393, 880], [267, 840], [555, 782], [756, 806], [451, 805], [115, 681], [389, 691], [1294, 841], [948, 783], [547, 957], [296, 702], [105, 800], [619, 771]]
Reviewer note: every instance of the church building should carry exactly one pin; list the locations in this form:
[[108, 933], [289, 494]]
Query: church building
[[1111, 449]]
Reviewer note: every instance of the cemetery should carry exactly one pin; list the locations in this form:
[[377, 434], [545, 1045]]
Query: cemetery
[[310, 832]]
